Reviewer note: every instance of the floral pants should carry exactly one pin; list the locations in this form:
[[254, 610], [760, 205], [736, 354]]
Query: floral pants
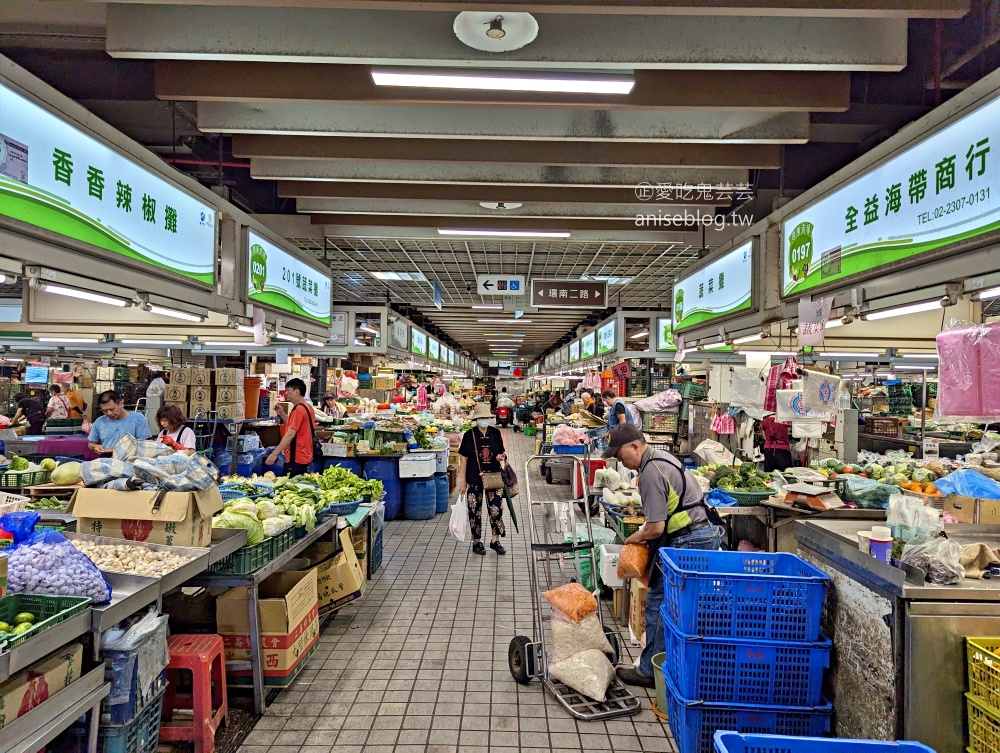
[[494, 506]]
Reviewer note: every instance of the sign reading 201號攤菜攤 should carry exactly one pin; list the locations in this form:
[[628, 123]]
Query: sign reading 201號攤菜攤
[[56, 177], [284, 282], [719, 289], [943, 190]]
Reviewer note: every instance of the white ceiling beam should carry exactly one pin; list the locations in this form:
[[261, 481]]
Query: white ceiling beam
[[505, 123], [180, 32], [266, 168]]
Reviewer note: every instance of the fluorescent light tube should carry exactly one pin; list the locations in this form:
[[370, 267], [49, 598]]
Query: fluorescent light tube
[[989, 294], [548, 83], [637, 335], [886, 375], [713, 346], [914, 308], [505, 233], [151, 342], [159, 310], [245, 328], [73, 340], [771, 353], [834, 323], [366, 328], [848, 354], [286, 338], [504, 321], [748, 339], [231, 344], [85, 295], [314, 343], [922, 356], [915, 368], [488, 306]]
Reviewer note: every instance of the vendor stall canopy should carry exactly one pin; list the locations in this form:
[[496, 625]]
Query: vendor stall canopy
[[617, 140]]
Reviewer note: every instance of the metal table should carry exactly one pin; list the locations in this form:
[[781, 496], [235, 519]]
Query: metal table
[[251, 581], [898, 670], [43, 644]]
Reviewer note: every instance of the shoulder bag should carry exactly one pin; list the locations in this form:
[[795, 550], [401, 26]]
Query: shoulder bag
[[317, 450], [492, 480]]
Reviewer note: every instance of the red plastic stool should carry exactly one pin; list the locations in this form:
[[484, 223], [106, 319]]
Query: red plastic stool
[[204, 657]]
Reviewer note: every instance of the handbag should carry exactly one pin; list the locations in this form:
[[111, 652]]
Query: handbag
[[492, 480], [509, 479]]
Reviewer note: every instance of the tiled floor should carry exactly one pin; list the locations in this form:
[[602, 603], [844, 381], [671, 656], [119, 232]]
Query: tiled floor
[[419, 665]]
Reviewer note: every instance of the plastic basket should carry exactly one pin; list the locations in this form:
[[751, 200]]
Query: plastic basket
[[692, 390], [376, 556], [727, 670], [694, 723], [628, 526], [984, 726], [248, 558], [12, 480], [141, 735], [734, 742], [660, 421], [228, 495], [569, 449], [263, 490], [12, 503], [775, 597], [749, 499], [984, 669], [48, 611], [343, 508]]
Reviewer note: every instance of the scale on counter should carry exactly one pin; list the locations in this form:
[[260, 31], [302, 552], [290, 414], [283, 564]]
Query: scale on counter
[[812, 497]]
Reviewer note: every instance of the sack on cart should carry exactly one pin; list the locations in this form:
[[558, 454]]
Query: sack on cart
[[588, 672], [572, 601], [570, 637]]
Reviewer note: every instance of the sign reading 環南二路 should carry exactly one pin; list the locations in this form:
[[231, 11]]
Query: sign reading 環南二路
[[56, 177], [942, 190], [719, 289], [281, 281]]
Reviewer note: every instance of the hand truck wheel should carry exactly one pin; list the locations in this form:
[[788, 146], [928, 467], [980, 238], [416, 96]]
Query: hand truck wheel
[[517, 659]]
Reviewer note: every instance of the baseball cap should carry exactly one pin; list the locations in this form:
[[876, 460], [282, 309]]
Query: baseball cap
[[621, 435]]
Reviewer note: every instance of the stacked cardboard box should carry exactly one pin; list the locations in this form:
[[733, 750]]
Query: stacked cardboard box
[[219, 390]]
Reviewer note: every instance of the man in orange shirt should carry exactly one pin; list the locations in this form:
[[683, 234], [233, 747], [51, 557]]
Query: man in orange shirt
[[297, 444]]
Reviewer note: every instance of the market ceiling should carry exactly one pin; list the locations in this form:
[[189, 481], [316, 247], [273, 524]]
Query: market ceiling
[[725, 94]]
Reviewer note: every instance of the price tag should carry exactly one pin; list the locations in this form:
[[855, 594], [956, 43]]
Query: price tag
[[932, 448]]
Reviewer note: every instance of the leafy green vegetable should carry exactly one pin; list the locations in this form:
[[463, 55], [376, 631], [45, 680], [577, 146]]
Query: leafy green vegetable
[[230, 519], [17, 463], [48, 503]]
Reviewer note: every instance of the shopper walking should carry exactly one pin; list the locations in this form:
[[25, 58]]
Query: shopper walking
[[59, 405], [618, 411], [300, 432], [777, 450], [479, 468], [676, 516]]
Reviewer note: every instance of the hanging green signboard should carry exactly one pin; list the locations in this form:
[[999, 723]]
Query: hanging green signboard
[[284, 282], [720, 289]]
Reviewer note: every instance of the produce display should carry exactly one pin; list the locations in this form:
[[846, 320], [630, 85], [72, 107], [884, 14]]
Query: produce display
[[17, 463], [908, 474], [134, 559], [23, 622], [46, 503], [347, 486], [66, 474], [742, 478]]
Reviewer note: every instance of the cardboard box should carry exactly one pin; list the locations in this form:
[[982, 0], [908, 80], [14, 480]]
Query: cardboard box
[[963, 508], [180, 375], [201, 377], [230, 394], [230, 377], [175, 393], [181, 519], [182, 406], [39, 682], [105, 374], [289, 625], [989, 512], [340, 578], [200, 394], [196, 405], [637, 609], [3, 575], [234, 411]]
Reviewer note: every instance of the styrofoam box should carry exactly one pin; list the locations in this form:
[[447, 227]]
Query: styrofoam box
[[441, 457], [609, 565], [417, 465]]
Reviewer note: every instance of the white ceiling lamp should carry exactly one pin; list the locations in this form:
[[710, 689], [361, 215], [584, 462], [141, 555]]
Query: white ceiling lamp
[[501, 205], [314, 343], [163, 343], [84, 295], [714, 346], [231, 344], [505, 233], [370, 330], [922, 356], [286, 338], [70, 340], [748, 339], [913, 308], [175, 313], [639, 334], [488, 306], [848, 355], [504, 321], [514, 81], [492, 32], [915, 368]]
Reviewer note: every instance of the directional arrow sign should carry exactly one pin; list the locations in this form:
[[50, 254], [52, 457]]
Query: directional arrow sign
[[569, 294], [500, 284]]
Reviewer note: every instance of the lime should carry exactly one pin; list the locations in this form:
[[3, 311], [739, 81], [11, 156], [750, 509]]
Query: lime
[[22, 628], [24, 617], [4, 627]]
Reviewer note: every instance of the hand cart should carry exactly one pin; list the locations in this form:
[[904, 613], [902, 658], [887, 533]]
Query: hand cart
[[204, 424], [528, 657]]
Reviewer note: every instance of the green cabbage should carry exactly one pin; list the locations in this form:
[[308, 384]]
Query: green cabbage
[[232, 519], [267, 509], [243, 505]]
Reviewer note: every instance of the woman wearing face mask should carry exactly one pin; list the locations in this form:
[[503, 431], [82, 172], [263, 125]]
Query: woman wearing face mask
[[481, 452]]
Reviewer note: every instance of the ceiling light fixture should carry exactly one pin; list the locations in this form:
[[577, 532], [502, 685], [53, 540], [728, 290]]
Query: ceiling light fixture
[[176, 314], [748, 339], [848, 355], [989, 294], [245, 328], [151, 342], [71, 340], [504, 321], [505, 233], [915, 368], [922, 356], [231, 344], [488, 306], [641, 333], [713, 346], [287, 338], [496, 28], [513, 82], [914, 308], [366, 328], [314, 343], [400, 276], [85, 295], [833, 323]]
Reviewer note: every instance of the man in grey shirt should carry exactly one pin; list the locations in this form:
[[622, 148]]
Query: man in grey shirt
[[675, 516]]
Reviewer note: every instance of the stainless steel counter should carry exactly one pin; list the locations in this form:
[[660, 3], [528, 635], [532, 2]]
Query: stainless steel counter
[[898, 670]]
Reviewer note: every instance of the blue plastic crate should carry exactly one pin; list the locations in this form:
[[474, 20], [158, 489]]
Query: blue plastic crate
[[774, 597], [694, 723], [569, 449], [730, 670], [734, 742]]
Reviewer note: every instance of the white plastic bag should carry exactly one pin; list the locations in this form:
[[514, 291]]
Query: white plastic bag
[[749, 387], [459, 522], [807, 429]]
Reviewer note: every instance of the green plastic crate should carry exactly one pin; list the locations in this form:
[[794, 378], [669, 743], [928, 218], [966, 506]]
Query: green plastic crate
[[141, 735], [252, 557], [692, 390], [48, 610], [10, 480]]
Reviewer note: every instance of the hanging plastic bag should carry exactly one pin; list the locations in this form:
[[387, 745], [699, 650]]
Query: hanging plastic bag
[[748, 387], [45, 562], [459, 523], [819, 390], [807, 429], [141, 649]]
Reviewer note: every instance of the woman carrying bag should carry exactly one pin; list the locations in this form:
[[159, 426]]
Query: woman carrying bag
[[481, 458]]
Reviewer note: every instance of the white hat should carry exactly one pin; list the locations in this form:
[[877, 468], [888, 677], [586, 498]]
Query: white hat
[[482, 410]]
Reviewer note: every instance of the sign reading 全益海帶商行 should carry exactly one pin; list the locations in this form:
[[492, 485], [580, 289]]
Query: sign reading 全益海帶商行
[[56, 177], [284, 282], [943, 190]]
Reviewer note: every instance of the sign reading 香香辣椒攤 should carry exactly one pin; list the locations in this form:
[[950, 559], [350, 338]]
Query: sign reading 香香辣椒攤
[[719, 289], [57, 177], [279, 280], [943, 190]]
